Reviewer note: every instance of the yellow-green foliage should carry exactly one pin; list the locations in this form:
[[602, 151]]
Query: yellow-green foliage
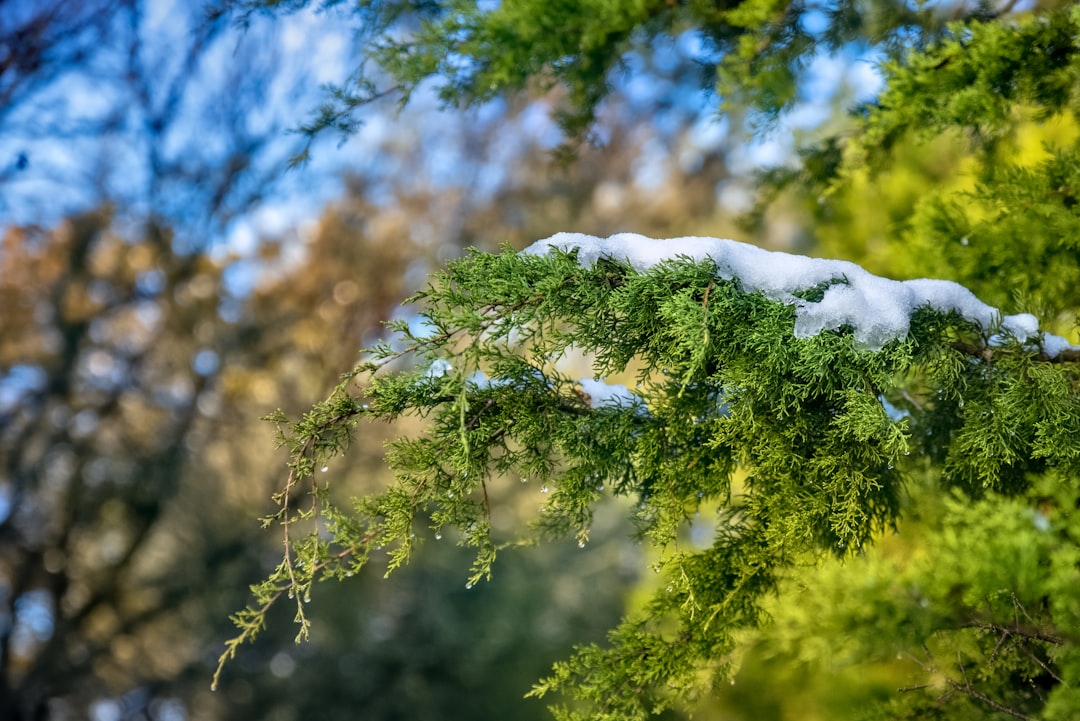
[[974, 602], [968, 168]]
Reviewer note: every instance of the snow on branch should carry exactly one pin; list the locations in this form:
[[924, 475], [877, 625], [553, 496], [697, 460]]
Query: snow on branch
[[827, 294]]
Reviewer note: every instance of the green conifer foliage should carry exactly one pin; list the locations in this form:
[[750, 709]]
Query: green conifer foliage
[[476, 50], [958, 437], [1002, 218], [789, 437]]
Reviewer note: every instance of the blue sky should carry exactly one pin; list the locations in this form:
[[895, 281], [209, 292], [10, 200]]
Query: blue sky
[[307, 50]]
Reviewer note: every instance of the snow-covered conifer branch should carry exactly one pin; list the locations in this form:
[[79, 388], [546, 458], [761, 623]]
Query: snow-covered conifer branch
[[796, 394]]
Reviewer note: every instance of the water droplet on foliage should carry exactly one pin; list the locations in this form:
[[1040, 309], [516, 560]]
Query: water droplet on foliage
[[669, 589], [438, 536], [701, 494], [325, 469], [468, 586], [544, 489], [581, 544], [449, 494]]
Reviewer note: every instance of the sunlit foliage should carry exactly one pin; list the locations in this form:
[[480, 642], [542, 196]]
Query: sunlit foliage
[[960, 440]]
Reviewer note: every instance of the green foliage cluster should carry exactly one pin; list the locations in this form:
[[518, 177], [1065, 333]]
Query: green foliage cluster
[[983, 610], [476, 50], [999, 101], [804, 455], [1015, 232], [790, 439], [980, 77]]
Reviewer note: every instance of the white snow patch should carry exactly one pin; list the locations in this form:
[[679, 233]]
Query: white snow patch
[[481, 381], [1054, 344], [878, 309], [438, 368], [605, 394]]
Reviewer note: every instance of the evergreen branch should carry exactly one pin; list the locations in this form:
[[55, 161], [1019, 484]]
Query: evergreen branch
[[991, 353], [1026, 633], [250, 621], [969, 690], [728, 388], [294, 587]]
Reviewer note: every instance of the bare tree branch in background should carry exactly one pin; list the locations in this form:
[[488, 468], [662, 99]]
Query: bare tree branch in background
[[112, 335], [165, 112]]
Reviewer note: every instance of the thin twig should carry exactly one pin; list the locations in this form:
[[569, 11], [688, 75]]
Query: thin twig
[[970, 690]]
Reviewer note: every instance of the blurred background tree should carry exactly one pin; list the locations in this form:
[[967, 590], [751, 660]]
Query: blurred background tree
[[142, 335]]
